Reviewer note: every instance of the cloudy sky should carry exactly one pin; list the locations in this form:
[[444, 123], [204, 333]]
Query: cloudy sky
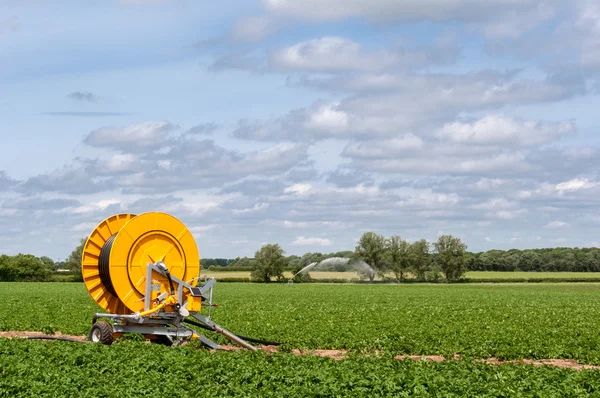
[[301, 122]]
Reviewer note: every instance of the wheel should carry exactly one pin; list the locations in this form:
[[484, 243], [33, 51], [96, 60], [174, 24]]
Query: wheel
[[102, 332]]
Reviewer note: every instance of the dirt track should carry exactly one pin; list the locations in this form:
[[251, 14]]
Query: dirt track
[[341, 354]]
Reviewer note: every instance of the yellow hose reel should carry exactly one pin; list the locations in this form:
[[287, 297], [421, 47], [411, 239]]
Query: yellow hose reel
[[116, 254], [143, 270]]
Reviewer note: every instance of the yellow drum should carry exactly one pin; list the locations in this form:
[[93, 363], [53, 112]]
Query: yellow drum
[[116, 255]]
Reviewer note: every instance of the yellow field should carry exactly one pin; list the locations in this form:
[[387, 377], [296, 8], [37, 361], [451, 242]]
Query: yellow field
[[314, 275], [470, 275], [531, 275]]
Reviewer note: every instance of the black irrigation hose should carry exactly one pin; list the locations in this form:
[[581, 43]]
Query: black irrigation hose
[[53, 338], [252, 340], [103, 267]]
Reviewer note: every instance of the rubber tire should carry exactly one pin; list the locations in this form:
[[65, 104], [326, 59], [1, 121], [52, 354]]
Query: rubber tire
[[105, 331]]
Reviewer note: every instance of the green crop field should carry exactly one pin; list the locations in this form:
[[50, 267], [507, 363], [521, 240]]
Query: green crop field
[[374, 322]]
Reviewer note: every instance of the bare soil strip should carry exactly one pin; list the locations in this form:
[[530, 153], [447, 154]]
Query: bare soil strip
[[40, 334], [341, 354], [559, 363]]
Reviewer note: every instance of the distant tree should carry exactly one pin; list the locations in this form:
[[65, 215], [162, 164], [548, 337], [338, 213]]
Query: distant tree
[[419, 258], [310, 258], [293, 262], [28, 268], [7, 273], [244, 262], [270, 262], [590, 262], [73, 262], [372, 250], [220, 262], [471, 262], [450, 256], [397, 256], [49, 263]]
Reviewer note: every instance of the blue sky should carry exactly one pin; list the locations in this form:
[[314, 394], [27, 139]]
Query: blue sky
[[305, 123]]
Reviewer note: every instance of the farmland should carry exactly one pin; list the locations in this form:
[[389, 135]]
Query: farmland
[[470, 275], [374, 322]]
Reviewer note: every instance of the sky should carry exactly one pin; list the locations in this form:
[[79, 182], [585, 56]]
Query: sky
[[301, 122]]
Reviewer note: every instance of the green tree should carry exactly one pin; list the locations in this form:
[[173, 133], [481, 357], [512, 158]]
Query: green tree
[[244, 262], [49, 263], [419, 258], [450, 256], [397, 256], [372, 250], [270, 262], [28, 268], [7, 273], [73, 262]]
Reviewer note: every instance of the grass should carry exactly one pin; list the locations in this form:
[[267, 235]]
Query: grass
[[507, 321], [510, 321], [61, 369]]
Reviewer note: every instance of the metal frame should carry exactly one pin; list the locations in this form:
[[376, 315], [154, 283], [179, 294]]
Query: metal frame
[[167, 323]]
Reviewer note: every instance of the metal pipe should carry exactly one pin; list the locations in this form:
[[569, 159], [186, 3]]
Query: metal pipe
[[132, 316], [233, 338]]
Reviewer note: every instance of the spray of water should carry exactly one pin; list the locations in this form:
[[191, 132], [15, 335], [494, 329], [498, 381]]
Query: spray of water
[[366, 268], [309, 266], [357, 265]]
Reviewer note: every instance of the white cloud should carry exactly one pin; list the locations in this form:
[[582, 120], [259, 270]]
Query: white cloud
[[298, 189], [405, 144], [406, 10], [85, 227], [588, 25], [524, 194], [507, 214], [295, 224], [302, 241], [135, 138], [498, 129], [333, 54], [328, 118], [94, 207], [556, 225], [496, 203], [201, 230], [435, 160], [490, 183], [255, 208], [515, 22], [575, 184], [419, 104], [120, 162]]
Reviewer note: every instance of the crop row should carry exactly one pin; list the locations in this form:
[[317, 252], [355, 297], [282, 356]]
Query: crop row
[[503, 321], [50, 369]]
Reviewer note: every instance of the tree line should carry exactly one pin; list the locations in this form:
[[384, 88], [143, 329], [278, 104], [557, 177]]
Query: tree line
[[389, 257], [421, 260], [561, 259], [30, 268], [424, 260]]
